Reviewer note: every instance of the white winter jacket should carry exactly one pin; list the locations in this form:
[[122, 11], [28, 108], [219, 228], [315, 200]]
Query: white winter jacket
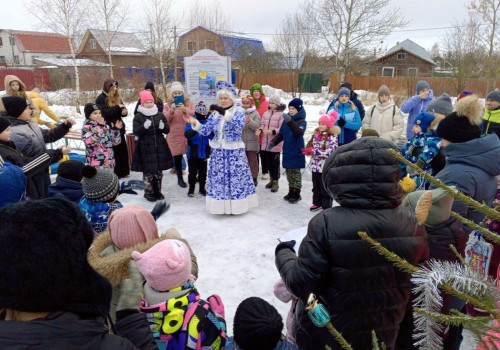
[[386, 118]]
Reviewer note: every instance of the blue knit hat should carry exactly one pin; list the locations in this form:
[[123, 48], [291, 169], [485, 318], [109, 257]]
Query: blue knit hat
[[422, 84], [344, 91], [297, 103], [424, 120]]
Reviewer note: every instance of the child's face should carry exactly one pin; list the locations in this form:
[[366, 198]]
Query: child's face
[[292, 110], [322, 127], [343, 99], [26, 115], [424, 92], [5, 135], [177, 93], [96, 116], [149, 104], [256, 94], [491, 105], [273, 106], [246, 104], [15, 86], [384, 98], [416, 129]]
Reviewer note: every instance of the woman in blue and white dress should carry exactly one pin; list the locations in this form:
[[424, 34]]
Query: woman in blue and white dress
[[230, 187]]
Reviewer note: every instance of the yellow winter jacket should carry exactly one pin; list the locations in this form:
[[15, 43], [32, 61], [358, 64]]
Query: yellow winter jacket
[[40, 104]]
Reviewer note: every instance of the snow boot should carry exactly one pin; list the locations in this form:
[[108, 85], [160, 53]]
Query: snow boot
[[275, 186], [203, 191], [191, 189], [255, 182], [150, 197], [270, 183], [287, 196], [315, 207], [157, 189], [295, 196], [180, 180], [150, 190]]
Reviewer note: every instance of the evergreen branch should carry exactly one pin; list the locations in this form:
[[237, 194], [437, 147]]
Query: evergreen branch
[[374, 341], [399, 262], [383, 346], [483, 208], [455, 320], [336, 334], [457, 254], [484, 231]]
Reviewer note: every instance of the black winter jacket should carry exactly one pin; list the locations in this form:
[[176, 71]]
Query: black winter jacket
[[361, 289], [152, 153]]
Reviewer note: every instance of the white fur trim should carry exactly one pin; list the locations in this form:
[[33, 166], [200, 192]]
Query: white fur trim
[[226, 144], [228, 206], [197, 126], [148, 112]]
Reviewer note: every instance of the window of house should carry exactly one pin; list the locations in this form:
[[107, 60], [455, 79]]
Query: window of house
[[412, 72], [209, 44], [192, 46], [93, 44], [16, 59], [388, 72], [2, 59], [402, 56], [12, 41]]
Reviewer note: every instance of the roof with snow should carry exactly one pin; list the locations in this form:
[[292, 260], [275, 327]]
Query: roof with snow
[[28, 41], [122, 43], [412, 48], [68, 62], [239, 46]]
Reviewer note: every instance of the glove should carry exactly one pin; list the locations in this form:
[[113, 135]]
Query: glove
[[161, 125], [219, 109], [147, 124], [270, 146], [285, 245], [130, 186], [159, 209], [130, 290], [286, 118], [307, 151], [341, 122]]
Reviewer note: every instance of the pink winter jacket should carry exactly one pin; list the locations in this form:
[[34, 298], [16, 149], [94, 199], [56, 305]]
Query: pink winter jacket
[[271, 120], [176, 140], [283, 294]]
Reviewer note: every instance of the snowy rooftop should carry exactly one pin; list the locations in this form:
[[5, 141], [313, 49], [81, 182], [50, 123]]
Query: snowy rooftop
[[121, 43], [68, 62], [413, 48]]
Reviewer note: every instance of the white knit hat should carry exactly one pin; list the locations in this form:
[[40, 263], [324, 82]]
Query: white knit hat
[[176, 86]]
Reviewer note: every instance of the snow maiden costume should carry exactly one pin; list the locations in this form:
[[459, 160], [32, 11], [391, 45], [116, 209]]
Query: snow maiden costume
[[230, 187]]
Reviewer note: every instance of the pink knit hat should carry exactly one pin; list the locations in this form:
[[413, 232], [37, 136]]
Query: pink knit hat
[[146, 95], [131, 225], [329, 119], [166, 265]]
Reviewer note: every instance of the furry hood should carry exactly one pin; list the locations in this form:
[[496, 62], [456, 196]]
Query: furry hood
[[115, 265], [250, 110], [471, 108], [8, 90]]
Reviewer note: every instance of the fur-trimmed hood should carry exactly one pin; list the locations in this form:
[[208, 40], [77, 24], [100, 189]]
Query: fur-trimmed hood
[[113, 263], [8, 90], [471, 108]]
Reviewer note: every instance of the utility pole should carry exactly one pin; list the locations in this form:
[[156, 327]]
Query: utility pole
[[175, 53]]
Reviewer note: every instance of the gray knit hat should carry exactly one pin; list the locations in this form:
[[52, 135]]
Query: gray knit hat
[[99, 185], [383, 90], [422, 84], [494, 96], [276, 99], [441, 105]]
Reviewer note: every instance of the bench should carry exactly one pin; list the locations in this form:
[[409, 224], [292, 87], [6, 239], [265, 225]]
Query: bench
[[74, 139]]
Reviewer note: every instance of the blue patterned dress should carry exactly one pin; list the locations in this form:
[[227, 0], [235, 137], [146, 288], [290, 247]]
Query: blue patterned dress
[[230, 188]]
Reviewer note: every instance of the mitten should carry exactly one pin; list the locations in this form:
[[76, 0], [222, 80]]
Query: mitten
[[341, 122], [285, 245], [160, 208], [147, 124], [286, 118], [161, 125], [130, 186], [270, 146], [219, 109], [307, 151], [216, 304], [130, 289]]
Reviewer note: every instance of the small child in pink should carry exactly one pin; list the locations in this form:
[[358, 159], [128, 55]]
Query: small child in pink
[[283, 294]]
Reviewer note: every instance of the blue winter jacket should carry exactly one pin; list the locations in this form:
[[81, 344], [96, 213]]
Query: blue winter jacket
[[357, 103], [198, 145], [98, 213], [413, 107], [472, 167], [292, 135], [353, 121], [12, 184], [66, 188]]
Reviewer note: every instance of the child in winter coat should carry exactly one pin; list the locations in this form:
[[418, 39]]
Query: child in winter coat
[[349, 120], [422, 148], [152, 154], [99, 138], [198, 151], [282, 293], [323, 142], [12, 184], [178, 317], [68, 183], [250, 138], [416, 105], [100, 196], [491, 117], [40, 105], [258, 325], [292, 135], [269, 127]]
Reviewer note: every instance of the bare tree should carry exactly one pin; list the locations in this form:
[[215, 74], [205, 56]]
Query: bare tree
[[348, 27], [210, 15], [63, 17], [463, 50], [294, 41], [112, 14]]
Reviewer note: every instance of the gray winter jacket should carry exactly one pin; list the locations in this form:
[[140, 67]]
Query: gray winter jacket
[[249, 138], [472, 168], [30, 139]]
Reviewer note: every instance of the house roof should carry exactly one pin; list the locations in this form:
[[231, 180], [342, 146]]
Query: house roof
[[68, 62], [412, 48], [28, 41], [126, 44]]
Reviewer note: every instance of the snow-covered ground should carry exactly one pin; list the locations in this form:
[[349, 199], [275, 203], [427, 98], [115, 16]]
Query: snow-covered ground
[[236, 253]]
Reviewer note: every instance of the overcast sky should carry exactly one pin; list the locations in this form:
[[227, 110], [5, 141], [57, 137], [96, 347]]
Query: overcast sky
[[261, 18]]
